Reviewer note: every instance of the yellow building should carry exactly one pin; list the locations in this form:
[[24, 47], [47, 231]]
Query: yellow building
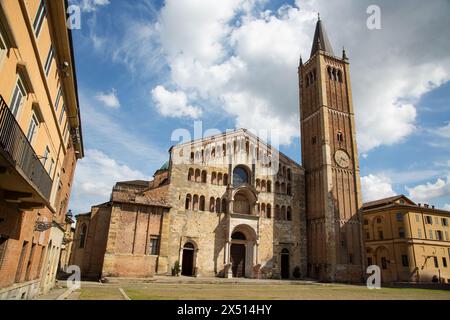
[[40, 142], [408, 241]]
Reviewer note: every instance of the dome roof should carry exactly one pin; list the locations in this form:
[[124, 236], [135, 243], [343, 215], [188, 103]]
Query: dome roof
[[165, 166]]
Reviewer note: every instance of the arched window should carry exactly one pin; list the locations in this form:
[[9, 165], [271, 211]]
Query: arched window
[[277, 187], [258, 185], [289, 174], [340, 137], [192, 157], [197, 175], [224, 206], [329, 73], [225, 179], [334, 74], [224, 149], [218, 205], [263, 210], [289, 190], [195, 203], [204, 176], [213, 153], [283, 213], [240, 176], [212, 203], [277, 213], [188, 202], [289, 214], [263, 185], [83, 236], [220, 179], [339, 74], [283, 188], [269, 211], [213, 178], [191, 174], [202, 203], [269, 186]]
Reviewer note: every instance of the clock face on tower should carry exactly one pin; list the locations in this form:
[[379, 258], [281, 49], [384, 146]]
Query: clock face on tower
[[342, 158]]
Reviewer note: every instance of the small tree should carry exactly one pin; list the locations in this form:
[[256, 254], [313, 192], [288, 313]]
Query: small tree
[[176, 269]]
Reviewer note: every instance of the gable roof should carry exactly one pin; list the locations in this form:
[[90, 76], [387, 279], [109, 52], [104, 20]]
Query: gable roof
[[387, 201]]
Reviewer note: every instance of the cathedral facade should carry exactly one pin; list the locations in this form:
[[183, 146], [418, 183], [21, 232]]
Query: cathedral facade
[[231, 205]]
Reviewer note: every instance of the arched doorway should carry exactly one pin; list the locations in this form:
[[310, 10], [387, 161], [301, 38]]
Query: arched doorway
[[285, 269], [238, 255], [187, 268]]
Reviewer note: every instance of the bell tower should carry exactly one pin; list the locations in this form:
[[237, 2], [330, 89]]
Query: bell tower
[[330, 159]]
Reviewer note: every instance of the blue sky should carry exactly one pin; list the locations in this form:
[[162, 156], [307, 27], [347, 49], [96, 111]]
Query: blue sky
[[146, 68]]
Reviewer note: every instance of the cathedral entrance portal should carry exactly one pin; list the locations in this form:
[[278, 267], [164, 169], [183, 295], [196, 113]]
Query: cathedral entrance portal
[[238, 260], [187, 268]]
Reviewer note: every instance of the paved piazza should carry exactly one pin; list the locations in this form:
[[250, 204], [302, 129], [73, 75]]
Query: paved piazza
[[225, 289]]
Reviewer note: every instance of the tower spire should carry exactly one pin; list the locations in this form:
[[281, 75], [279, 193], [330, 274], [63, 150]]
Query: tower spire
[[321, 41]]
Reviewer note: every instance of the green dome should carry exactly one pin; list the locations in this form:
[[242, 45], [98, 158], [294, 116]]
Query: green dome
[[165, 166]]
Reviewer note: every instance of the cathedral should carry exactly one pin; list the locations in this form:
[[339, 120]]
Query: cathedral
[[231, 205]]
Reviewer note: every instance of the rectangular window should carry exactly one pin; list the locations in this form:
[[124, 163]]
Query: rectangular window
[[428, 220], [2, 47], [417, 218], [439, 235], [61, 116], [45, 156], [436, 262], [21, 262], [399, 217], [419, 233], [154, 246], [401, 233], [17, 97], [405, 261], [444, 262], [33, 128], [445, 222], [431, 234], [52, 164], [58, 99], [446, 236], [367, 236], [380, 235], [39, 19], [48, 62], [436, 220]]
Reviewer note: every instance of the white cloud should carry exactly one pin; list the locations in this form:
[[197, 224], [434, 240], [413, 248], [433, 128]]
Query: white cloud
[[92, 5], [109, 99], [173, 104], [430, 190], [96, 175], [446, 207], [242, 60], [250, 65], [444, 131], [376, 187]]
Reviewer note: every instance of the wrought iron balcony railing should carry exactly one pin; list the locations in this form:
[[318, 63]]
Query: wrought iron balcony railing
[[18, 149]]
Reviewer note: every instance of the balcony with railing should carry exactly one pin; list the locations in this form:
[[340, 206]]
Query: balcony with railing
[[23, 178]]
